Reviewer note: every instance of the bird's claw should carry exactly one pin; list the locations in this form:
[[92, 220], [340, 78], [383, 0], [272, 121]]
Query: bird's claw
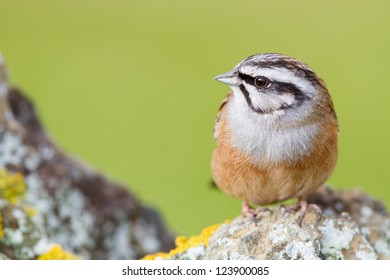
[[302, 205], [248, 212]]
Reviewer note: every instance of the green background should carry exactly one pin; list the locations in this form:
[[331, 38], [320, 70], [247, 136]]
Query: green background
[[128, 85]]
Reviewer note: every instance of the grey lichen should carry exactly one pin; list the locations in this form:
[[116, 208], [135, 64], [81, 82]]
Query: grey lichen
[[3, 257], [21, 239], [12, 151], [382, 246], [337, 238], [193, 253]]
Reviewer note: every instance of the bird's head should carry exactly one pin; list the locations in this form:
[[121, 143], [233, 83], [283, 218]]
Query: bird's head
[[276, 85]]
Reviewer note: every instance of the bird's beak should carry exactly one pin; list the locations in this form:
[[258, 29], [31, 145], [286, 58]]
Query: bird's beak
[[230, 78]]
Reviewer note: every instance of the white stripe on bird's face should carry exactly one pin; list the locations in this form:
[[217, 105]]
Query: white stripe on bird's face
[[268, 100], [279, 75]]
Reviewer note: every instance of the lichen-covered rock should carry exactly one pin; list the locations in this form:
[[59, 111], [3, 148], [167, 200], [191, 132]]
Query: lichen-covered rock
[[369, 215], [276, 235], [361, 233], [3, 257], [57, 253], [20, 237], [77, 207], [192, 248]]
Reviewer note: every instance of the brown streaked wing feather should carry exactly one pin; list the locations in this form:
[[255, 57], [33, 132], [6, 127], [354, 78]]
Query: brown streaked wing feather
[[330, 102], [219, 115]]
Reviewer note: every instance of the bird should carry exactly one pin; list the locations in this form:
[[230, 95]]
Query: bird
[[276, 133]]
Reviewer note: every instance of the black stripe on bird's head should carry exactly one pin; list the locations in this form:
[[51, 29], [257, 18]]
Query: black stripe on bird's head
[[272, 82]]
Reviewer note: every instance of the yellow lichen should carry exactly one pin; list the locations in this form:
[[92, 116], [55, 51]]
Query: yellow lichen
[[1, 227], [57, 253], [30, 211], [183, 243], [12, 186]]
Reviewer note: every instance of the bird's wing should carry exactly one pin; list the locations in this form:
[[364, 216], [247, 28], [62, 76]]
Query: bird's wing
[[220, 113]]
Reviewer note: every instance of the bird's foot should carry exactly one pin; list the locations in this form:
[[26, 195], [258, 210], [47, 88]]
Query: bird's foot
[[248, 212], [302, 205]]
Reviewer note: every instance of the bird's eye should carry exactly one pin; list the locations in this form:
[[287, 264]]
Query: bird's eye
[[262, 82]]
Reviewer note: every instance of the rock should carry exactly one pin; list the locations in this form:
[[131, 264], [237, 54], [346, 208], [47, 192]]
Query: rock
[[75, 206], [361, 233], [192, 248], [370, 216], [3, 257], [20, 237], [352, 226]]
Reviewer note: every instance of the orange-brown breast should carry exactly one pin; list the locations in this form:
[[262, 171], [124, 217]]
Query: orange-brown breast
[[269, 182]]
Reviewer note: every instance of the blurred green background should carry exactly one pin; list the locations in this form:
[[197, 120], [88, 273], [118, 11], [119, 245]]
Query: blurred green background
[[128, 85]]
